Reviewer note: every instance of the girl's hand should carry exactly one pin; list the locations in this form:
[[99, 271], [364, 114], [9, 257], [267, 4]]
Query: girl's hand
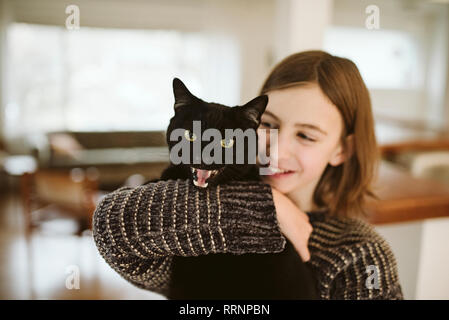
[[293, 222]]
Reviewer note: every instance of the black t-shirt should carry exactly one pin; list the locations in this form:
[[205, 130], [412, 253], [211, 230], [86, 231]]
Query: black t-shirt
[[271, 276]]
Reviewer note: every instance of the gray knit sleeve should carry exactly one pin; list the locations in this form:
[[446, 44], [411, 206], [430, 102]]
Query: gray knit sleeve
[[138, 230], [352, 261], [373, 276]]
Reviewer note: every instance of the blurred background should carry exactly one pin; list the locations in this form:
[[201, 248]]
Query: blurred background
[[83, 111]]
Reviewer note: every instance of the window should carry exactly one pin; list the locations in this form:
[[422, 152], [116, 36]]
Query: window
[[387, 59], [96, 79]]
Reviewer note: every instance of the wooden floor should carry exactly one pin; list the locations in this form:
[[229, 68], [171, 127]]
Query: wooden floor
[[48, 268]]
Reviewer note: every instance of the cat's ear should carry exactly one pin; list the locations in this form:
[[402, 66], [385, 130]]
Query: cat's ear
[[253, 110], [181, 93]]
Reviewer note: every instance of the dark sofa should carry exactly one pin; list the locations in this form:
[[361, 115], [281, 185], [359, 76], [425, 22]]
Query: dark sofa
[[114, 155]]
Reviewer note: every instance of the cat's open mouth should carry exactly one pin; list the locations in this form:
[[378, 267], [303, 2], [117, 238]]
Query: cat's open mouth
[[201, 176]]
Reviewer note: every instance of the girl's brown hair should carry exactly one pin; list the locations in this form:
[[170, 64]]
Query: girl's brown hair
[[343, 188]]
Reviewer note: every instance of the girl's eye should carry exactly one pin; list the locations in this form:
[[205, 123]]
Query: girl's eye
[[189, 135], [266, 124], [227, 143], [302, 135]]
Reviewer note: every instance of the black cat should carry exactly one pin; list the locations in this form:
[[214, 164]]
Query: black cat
[[188, 109], [226, 276]]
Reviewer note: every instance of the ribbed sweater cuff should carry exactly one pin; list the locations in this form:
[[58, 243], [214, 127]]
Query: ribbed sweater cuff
[[175, 217], [249, 211]]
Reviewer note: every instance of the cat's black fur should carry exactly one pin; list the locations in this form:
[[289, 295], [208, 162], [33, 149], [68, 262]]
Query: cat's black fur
[[226, 276], [189, 108]]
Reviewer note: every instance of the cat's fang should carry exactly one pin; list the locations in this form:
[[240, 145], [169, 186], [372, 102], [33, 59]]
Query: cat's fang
[[203, 185], [200, 176]]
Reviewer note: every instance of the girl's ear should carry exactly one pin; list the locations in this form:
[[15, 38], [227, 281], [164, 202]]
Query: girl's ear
[[342, 153]]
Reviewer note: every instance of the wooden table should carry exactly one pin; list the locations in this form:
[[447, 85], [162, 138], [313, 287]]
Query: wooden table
[[406, 198]]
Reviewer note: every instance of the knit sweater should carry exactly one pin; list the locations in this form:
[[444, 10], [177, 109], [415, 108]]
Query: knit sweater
[[139, 231]]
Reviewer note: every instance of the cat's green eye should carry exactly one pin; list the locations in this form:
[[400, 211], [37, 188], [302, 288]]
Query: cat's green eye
[[189, 135], [227, 143]]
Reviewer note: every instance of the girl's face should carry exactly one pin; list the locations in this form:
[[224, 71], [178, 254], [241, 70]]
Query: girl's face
[[309, 129]]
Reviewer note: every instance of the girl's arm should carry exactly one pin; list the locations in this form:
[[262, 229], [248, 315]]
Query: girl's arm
[[353, 261], [371, 277], [138, 230]]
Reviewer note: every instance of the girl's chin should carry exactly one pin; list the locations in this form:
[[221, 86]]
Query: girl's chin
[[282, 186]]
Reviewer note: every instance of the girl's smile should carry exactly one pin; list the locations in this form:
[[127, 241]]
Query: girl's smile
[[280, 173]]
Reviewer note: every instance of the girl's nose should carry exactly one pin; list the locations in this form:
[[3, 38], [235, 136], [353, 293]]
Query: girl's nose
[[283, 151]]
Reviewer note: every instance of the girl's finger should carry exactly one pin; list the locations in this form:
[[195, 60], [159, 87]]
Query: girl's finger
[[303, 253]]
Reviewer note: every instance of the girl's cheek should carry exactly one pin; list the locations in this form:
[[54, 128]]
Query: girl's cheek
[[310, 160]]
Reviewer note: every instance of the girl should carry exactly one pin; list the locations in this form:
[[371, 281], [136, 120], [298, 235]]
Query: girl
[[327, 157]]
